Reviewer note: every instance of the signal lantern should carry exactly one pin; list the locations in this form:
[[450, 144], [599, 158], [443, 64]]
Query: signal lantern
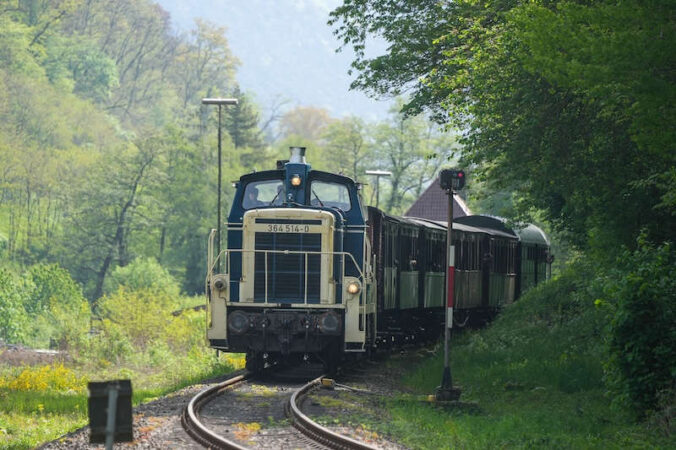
[[452, 179]]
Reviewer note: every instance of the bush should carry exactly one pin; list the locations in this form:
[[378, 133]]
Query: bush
[[640, 293], [14, 292], [57, 308], [141, 315], [53, 285], [142, 273]]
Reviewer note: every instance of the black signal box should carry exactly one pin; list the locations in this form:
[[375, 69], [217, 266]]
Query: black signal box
[[453, 179], [99, 403]]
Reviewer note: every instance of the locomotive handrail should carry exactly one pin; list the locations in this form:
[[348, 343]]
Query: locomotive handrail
[[288, 252]]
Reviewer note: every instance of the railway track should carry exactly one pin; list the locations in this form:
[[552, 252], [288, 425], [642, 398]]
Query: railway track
[[305, 433]]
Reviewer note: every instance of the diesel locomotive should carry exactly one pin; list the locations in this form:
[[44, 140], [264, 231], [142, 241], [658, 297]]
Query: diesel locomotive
[[311, 272]]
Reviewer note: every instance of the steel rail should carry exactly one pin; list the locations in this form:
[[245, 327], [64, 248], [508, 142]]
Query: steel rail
[[196, 429], [315, 431]]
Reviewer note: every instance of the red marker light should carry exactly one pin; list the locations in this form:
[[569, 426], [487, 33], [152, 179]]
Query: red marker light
[[460, 174]]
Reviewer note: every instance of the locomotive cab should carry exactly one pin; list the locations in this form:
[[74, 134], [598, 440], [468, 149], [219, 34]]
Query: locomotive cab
[[296, 277]]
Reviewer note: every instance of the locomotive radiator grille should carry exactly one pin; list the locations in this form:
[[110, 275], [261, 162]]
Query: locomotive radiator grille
[[291, 278]]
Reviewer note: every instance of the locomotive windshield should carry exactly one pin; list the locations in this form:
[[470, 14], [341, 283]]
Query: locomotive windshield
[[323, 193], [263, 193]]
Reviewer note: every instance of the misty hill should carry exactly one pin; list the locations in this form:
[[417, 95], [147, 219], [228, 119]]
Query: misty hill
[[286, 49]]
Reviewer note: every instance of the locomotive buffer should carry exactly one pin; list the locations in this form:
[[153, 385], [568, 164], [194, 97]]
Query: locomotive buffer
[[450, 180]]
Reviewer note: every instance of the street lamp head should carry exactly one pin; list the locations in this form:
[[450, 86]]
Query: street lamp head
[[379, 173], [219, 101]]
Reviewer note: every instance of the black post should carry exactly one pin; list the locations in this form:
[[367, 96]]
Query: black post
[[220, 102]]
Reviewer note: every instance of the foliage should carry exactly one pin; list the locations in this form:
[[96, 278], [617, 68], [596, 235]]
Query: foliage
[[13, 317], [639, 295], [54, 378], [143, 274], [559, 104], [53, 285], [59, 313], [532, 378]]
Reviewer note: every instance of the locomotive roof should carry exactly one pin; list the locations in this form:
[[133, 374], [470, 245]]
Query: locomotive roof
[[268, 174]]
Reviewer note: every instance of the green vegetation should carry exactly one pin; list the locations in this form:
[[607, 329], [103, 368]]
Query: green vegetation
[[568, 112], [135, 336], [536, 376]]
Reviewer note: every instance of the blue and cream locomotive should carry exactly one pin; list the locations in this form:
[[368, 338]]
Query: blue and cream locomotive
[[309, 271]]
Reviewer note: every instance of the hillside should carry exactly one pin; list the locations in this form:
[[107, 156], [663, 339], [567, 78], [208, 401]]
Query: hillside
[[287, 50]]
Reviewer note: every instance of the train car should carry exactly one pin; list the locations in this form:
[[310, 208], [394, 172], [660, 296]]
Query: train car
[[309, 272], [532, 260]]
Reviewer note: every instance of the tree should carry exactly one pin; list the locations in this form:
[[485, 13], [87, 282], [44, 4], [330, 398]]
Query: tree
[[241, 122], [413, 149], [346, 146], [307, 122], [504, 70], [204, 63]]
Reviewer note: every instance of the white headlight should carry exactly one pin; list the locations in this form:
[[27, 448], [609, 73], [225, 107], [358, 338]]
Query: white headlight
[[353, 288]]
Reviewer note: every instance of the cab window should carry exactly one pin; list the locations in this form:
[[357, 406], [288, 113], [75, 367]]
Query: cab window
[[263, 193], [323, 193]]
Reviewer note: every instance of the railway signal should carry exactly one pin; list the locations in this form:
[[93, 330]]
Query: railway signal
[[450, 180]]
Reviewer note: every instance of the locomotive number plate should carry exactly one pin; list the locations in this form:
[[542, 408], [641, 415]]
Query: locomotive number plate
[[287, 228]]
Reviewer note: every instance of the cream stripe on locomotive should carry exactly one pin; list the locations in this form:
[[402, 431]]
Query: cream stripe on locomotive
[[250, 227]]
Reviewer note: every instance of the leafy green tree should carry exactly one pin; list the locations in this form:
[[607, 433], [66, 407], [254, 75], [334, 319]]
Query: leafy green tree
[[13, 317], [241, 122], [347, 146], [142, 273], [307, 122], [53, 284], [413, 149], [642, 335]]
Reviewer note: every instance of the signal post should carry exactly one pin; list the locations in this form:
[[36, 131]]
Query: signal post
[[451, 180]]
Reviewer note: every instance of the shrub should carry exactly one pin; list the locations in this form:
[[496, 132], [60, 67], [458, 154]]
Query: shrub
[[58, 310], [53, 284], [142, 273], [44, 378], [13, 319], [140, 315], [640, 293]]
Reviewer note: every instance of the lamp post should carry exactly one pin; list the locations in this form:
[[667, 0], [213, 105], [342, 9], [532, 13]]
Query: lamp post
[[378, 174], [220, 102]]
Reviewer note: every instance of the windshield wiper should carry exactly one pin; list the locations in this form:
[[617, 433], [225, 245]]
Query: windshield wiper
[[317, 197], [274, 198]]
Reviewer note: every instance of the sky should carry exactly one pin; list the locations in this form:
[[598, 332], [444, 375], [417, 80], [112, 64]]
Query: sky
[[287, 51]]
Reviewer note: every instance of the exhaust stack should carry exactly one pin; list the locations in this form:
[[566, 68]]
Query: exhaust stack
[[297, 155]]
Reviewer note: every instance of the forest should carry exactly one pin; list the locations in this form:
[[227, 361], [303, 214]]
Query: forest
[[562, 113]]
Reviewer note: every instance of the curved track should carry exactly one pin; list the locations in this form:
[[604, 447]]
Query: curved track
[[196, 429], [320, 435], [312, 429]]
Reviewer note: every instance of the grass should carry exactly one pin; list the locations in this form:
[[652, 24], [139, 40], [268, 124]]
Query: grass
[[30, 416], [536, 376]]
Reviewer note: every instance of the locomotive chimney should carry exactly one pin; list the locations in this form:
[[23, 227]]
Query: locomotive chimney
[[297, 155]]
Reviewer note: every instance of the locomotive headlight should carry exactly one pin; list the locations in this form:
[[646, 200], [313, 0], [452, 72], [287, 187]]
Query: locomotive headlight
[[353, 288], [238, 322], [295, 180], [329, 323]]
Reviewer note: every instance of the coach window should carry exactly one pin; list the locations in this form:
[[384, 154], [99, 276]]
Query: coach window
[[331, 195]]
